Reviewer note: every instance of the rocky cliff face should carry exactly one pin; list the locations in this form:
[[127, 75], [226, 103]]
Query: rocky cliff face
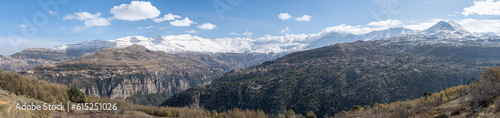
[[33, 57], [42, 53], [129, 73], [133, 86]]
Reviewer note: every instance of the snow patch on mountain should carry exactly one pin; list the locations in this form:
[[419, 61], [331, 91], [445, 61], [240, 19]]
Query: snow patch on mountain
[[270, 44]]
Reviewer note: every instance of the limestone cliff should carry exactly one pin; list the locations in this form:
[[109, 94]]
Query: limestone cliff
[[121, 73]]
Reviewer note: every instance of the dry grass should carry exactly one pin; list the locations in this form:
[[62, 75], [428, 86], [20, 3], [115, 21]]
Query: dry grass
[[38, 89], [56, 93], [484, 94], [404, 109]]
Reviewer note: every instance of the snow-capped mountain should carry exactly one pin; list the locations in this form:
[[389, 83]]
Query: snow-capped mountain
[[448, 32], [335, 37], [446, 27], [268, 44], [170, 44]]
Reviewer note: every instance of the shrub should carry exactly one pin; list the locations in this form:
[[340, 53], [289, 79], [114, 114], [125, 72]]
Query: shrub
[[487, 88], [76, 95], [497, 105], [427, 93], [310, 114], [442, 116], [457, 111], [356, 107], [290, 114], [38, 89]]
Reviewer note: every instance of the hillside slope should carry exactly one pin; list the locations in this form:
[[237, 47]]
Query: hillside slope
[[479, 99], [274, 46], [15, 88], [141, 75], [330, 79]]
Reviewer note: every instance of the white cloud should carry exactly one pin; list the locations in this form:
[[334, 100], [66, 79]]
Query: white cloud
[[343, 28], [304, 18], [148, 27], [52, 12], [162, 28], [284, 16], [135, 11], [207, 26], [82, 16], [89, 19], [363, 29], [91, 30], [183, 22], [285, 30], [97, 22], [63, 27], [423, 25], [486, 7], [166, 17], [21, 26], [285, 38], [385, 23], [233, 33], [191, 31], [475, 25], [247, 33]]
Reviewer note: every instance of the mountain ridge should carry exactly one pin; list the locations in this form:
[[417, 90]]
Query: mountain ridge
[[135, 72], [446, 26], [334, 78], [267, 44], [271, 45]]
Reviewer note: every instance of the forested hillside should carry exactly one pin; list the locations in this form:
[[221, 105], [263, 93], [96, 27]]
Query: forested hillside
[[331, 79], [478, 99]]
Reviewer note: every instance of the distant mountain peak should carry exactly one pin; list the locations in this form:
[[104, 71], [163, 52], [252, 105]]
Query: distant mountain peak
[[136, 47], [268, 44], [446, 26]]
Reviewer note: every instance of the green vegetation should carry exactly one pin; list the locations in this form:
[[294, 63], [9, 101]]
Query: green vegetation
[[460, 101], [356, 107], [108, 71], [149, 99], [427, 93], [332, 79], [402, 109], [38, 89], [310, 114], [75, 95], [48, 92]]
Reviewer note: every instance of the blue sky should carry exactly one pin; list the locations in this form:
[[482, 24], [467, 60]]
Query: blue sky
[[76, 21]]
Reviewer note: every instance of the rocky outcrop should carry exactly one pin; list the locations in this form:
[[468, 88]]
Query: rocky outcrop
[[128, 87], [120, 73], [33, 57], [42, 53], [8, 63]]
